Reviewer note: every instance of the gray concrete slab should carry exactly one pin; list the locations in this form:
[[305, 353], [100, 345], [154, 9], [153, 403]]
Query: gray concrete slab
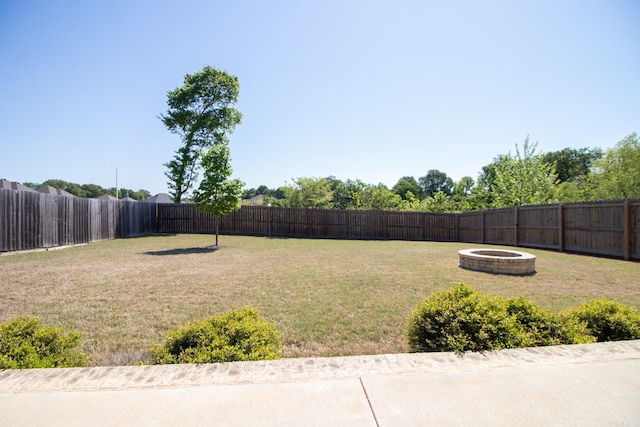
[[594, 384], [593, 394], [337, 402]]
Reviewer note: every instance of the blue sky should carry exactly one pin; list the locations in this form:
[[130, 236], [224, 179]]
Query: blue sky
[[374, 90]]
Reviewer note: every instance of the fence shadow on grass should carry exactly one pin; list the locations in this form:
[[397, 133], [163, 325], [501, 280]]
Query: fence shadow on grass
[[184, 251]]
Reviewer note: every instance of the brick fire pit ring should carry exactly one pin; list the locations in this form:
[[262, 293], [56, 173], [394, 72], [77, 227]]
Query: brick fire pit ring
[[498, 261]]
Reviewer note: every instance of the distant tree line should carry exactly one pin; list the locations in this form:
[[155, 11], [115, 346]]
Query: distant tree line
[[90, 191], [525, 177]]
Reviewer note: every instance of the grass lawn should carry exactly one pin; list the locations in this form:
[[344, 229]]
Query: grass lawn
[[327, 297]]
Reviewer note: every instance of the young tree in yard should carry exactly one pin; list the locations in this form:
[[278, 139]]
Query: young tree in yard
[[217, 194], [201, 112]]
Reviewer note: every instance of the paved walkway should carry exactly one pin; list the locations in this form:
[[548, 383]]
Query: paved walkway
[[593, 384]]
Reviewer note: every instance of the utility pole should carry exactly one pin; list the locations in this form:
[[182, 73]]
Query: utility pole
[[112, 167]]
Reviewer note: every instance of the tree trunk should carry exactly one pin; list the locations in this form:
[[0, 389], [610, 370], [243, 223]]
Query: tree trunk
[[217, 229]]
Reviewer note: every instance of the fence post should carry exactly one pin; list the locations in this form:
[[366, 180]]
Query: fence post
[[425, 225], [482, 227], [515, 226], [627, 230], [561, 227]]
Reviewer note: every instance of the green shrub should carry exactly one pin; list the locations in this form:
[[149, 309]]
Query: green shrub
[[463, 319], [234, 336], [27, 343], [541, 327], [607, 320]]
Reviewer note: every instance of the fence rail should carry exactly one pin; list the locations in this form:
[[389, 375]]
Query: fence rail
[[33, 220]]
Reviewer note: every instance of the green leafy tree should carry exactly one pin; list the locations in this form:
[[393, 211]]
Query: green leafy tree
[[201, 112], [617, 174], [217, 194], [308, 193], [182, 171], [434, 182], [92, 190], [248, 193], [523, 179], [348, 194], [570, 192], [263, 189], [69, 187], [127, 192], [33, 185], [463, 188], [379, 197], [571, 164], [406, 185], [412, 204], [440, 202], [267, 192], [140, 194], [482, 195], [462, 196]]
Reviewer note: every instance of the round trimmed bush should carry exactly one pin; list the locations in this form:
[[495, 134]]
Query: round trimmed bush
[[234, 336], [607, 320], [463, 319], [539, 327], [27, 343]]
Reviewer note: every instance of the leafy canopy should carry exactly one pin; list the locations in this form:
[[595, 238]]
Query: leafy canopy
[[436, 181], [617, 174], [201, 112], [523, 179], [217, 193], [309, 193]]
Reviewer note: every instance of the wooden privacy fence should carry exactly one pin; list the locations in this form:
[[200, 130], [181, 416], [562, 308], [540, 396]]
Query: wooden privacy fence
[[317, 223], [605, 228], [35, 220]]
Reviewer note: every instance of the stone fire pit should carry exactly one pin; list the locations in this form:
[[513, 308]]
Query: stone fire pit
[[498, 261]]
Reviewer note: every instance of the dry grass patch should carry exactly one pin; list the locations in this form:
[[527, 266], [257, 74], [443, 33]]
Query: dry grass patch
[[327, 297]]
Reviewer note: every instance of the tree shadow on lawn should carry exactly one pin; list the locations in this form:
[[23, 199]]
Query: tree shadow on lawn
[[184, 251]]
